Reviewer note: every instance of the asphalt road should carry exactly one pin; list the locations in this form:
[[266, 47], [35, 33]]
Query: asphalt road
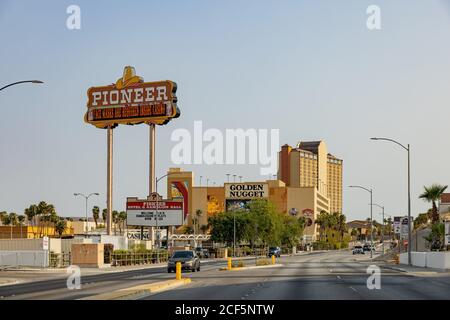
[[329, 275]]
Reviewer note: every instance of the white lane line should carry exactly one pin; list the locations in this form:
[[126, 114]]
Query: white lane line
[[339, 277], [353, 289]]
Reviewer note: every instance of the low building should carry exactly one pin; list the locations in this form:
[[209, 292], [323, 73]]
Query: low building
[[33, 232], [444, 207]]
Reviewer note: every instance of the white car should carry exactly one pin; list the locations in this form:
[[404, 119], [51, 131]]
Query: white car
[[358, 250]]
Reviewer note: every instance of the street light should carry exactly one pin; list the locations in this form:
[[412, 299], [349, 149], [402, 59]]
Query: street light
[[382, 229], [371, 220], [240, 178], [228, 177], [19, 82], [86, 197], [408, 149], [157, 215]]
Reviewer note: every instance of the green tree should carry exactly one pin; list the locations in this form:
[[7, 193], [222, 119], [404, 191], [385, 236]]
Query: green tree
[[292, 230], [60, 227], [3, 215], [13, 220], [436, 236], [104, 214], [432, 194], [121, 219], [204, 228], [115, 219], [96, 215]]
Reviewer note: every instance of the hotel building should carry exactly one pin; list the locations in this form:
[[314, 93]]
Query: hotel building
[[309, 181]]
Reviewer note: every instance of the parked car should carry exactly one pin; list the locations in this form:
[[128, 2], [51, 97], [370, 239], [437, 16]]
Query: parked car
[[188, 258], [202, 253], [358, 250], [274, 251], [368, 247]]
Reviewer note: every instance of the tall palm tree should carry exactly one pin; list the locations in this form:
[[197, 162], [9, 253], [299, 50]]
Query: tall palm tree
[[96, 215], [60, 226], [3, 214], [198, 214], [432, 194], [21, 220], [122, 217], [115, 220], [104, 213]]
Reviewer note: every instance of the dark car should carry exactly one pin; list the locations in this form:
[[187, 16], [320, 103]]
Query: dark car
[[274, 251], [202, 253], [368, 247], [188, 258]]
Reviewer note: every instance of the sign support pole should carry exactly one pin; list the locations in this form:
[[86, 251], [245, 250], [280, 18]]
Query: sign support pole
[[151, 175], [109, 180]]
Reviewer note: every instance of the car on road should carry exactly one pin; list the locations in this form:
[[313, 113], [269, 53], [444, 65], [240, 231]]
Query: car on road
[[202, 253], [368, 247], [188, 258], [358, 250], [274, 251]]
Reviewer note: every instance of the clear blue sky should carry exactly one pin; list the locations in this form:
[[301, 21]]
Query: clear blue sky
[[310, 68]]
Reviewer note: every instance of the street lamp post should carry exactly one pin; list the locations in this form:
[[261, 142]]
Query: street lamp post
[[86, 198], [157, 216], [234, 233], [408, 149], [382, 229], [371, 219], [228, 177], [19, 82]]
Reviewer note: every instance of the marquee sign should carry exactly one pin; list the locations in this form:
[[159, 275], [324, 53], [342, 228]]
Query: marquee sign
[[154, 213], [132, 101]]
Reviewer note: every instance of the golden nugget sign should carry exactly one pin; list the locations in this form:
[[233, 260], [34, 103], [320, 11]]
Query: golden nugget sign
[[246, 190], [132, 101]]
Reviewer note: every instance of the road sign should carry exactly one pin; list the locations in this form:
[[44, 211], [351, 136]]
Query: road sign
[[397, 224], [404, 227], [143, 213], [45, 243]]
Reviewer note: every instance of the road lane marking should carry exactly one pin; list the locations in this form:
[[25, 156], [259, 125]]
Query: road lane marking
[[339, 277], [353, 289]]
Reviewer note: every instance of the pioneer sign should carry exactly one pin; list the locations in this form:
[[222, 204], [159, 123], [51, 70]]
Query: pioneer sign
[[132, 101], [154, 213]]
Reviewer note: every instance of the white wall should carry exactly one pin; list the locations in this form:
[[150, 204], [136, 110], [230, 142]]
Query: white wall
[[38, 259], [434, 259]]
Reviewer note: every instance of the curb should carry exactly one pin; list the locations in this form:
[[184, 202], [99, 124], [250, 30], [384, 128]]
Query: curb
[[253, 267], [128, 293]]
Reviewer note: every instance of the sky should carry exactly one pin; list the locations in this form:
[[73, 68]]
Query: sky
[[311, 69]]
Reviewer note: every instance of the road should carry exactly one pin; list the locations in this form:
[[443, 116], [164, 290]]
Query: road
[[331, 275], [327, 275]]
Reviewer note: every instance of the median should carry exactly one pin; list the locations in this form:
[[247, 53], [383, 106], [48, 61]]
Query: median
[[129, 293]]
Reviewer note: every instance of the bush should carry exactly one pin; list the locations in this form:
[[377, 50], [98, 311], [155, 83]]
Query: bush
[[263, 262], [238, 264]]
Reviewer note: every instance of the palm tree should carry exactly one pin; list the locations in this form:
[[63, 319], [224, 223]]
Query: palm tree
[[121, 218], [3, 214], [21, 220], [60, 227], [104, 213], [96, 215], [198, 214], [433, 194], [115, 219]]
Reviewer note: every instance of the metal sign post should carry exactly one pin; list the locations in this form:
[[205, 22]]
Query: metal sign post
[[109, 181]]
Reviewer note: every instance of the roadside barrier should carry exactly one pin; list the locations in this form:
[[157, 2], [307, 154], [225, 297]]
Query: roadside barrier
[[178, 271]]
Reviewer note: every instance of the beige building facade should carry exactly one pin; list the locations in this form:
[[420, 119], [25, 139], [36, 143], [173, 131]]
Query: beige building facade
[[310, 165]]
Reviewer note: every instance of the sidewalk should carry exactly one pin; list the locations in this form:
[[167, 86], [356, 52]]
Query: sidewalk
[[413, 270]]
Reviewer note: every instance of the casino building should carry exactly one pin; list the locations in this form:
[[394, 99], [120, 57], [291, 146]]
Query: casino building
[[309, 181]]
